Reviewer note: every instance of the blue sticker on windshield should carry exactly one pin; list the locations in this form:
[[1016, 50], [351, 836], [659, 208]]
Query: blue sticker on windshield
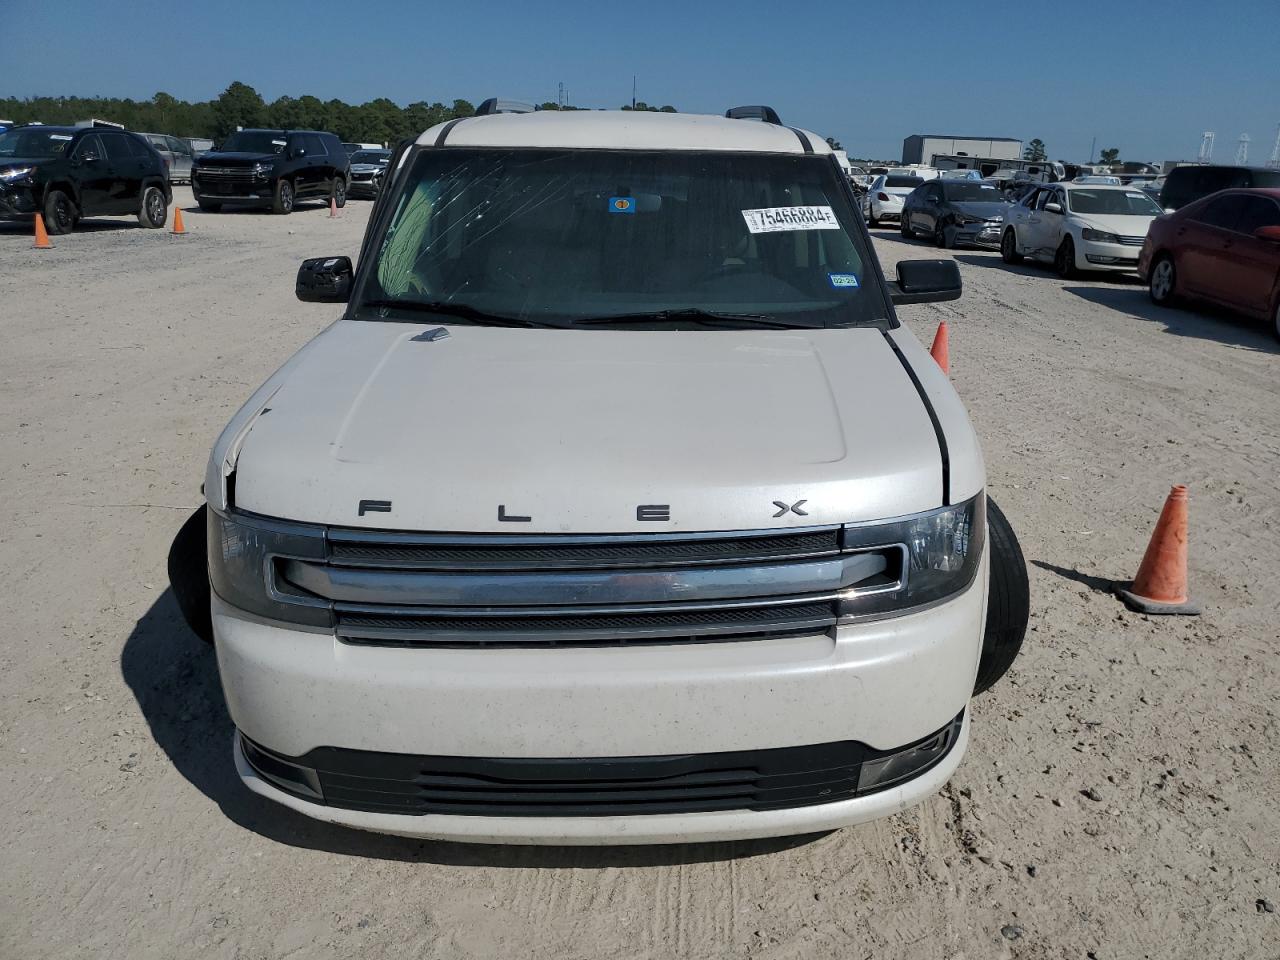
[[622, 205], [839, 280]]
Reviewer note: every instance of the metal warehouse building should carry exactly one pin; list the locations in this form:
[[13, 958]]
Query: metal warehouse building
[[922, 147]]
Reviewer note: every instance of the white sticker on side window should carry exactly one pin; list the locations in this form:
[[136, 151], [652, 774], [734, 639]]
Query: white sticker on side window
[[775, 219]]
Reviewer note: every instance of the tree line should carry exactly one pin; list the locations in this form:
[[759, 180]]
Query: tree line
[[377, 121]]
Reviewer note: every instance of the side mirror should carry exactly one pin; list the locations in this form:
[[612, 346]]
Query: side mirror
[[1271, 233], [1053, 208], [325, 280], [925, 281]]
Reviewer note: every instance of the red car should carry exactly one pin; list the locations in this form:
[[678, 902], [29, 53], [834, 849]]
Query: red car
[[1224, 248]]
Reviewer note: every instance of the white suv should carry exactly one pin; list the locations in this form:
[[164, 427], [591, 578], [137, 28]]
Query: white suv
[[1079, 226], [618, 507]]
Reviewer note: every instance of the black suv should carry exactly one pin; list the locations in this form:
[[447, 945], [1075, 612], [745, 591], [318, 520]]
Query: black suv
[[66, 173], [272, 168]]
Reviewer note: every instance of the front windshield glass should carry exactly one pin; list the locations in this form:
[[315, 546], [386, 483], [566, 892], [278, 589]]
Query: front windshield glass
[[968, 191], [1132, 203], [370, 156], [254, 141], [563, 236], [34, 143]]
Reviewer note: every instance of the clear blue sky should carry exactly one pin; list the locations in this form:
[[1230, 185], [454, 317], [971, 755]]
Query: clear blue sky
[[1145, 77]]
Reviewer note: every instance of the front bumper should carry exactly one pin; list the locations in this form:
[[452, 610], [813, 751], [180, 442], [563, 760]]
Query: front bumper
[[361, 188], [984, 234], [17, 202], [1122, 257], [616, 830], [883, 683], [245, 190]]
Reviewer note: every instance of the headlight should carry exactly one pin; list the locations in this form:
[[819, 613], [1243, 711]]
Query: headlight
[[1099, 236], [940, 554], [244, 554], [15, 173]]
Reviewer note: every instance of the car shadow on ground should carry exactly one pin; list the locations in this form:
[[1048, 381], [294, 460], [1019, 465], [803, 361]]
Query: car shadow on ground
[[173, 676], [1096, 584], [300, 206], [25, 229], [1200, 321]]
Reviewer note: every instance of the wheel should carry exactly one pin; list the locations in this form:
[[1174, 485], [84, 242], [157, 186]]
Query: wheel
[[189, 574], [59, 213], [282, 197], [208, 206], [1064, 261], [1164, 280], [339, 192], [1008, 601], [904, 227], [1009, 247], [940, 235], [154, 211]]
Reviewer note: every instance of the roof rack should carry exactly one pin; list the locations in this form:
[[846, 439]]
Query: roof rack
[[494, 105], [758, 112]]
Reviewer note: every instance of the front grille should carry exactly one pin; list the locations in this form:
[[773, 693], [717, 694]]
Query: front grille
[[224, 173], [358, 177], [520, 553], [607, 786], [1133, 241], [426, 590]]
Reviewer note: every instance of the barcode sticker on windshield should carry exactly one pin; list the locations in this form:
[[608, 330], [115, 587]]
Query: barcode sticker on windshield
[[774, 219]]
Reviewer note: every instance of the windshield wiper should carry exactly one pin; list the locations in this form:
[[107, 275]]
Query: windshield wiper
[[708, 318], [465, 311]]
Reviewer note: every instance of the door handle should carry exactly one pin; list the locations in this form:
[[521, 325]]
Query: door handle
[[1034, 220]]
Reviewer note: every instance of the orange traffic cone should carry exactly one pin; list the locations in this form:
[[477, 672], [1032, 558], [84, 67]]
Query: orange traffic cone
[[1161, 583], [939, 349], [178, 228], [42, 235], [333, 208]]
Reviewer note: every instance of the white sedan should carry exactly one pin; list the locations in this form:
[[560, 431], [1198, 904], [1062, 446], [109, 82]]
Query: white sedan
[[1077, 226], [885, 196]]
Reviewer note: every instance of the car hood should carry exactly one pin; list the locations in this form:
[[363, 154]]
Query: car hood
[[236, 159], [577, 429], [1123, 224], [980, 208]]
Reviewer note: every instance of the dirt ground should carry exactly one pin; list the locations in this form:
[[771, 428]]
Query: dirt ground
[[127, 834]]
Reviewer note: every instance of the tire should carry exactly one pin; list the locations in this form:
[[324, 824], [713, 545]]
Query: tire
[[1275, 320], [940, 235], [189, 574], [1008, 601], [153, 212], [904, 228], [60, 214], [871, 218], [1164, 281], [1009, 247], [282, 197], [339, 192], [1064, 261], [208, 206]]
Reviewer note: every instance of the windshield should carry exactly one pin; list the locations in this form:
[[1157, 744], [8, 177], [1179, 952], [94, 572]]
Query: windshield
[[970, 192], [370, 156], [1132, 203], [561, 236], [903, 181], [254, 141], [34, 143]]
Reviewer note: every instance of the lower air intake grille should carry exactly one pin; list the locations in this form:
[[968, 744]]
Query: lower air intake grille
[[611, 786]]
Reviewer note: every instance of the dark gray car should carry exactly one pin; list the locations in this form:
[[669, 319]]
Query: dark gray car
[[955, 213]]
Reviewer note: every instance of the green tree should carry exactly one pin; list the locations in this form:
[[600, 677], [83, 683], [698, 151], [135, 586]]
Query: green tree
[[1035, 150], [1109, 156], [238, 106]]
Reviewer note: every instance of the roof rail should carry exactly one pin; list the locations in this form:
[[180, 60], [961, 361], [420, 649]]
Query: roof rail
[[759, 112], [494, 105]]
